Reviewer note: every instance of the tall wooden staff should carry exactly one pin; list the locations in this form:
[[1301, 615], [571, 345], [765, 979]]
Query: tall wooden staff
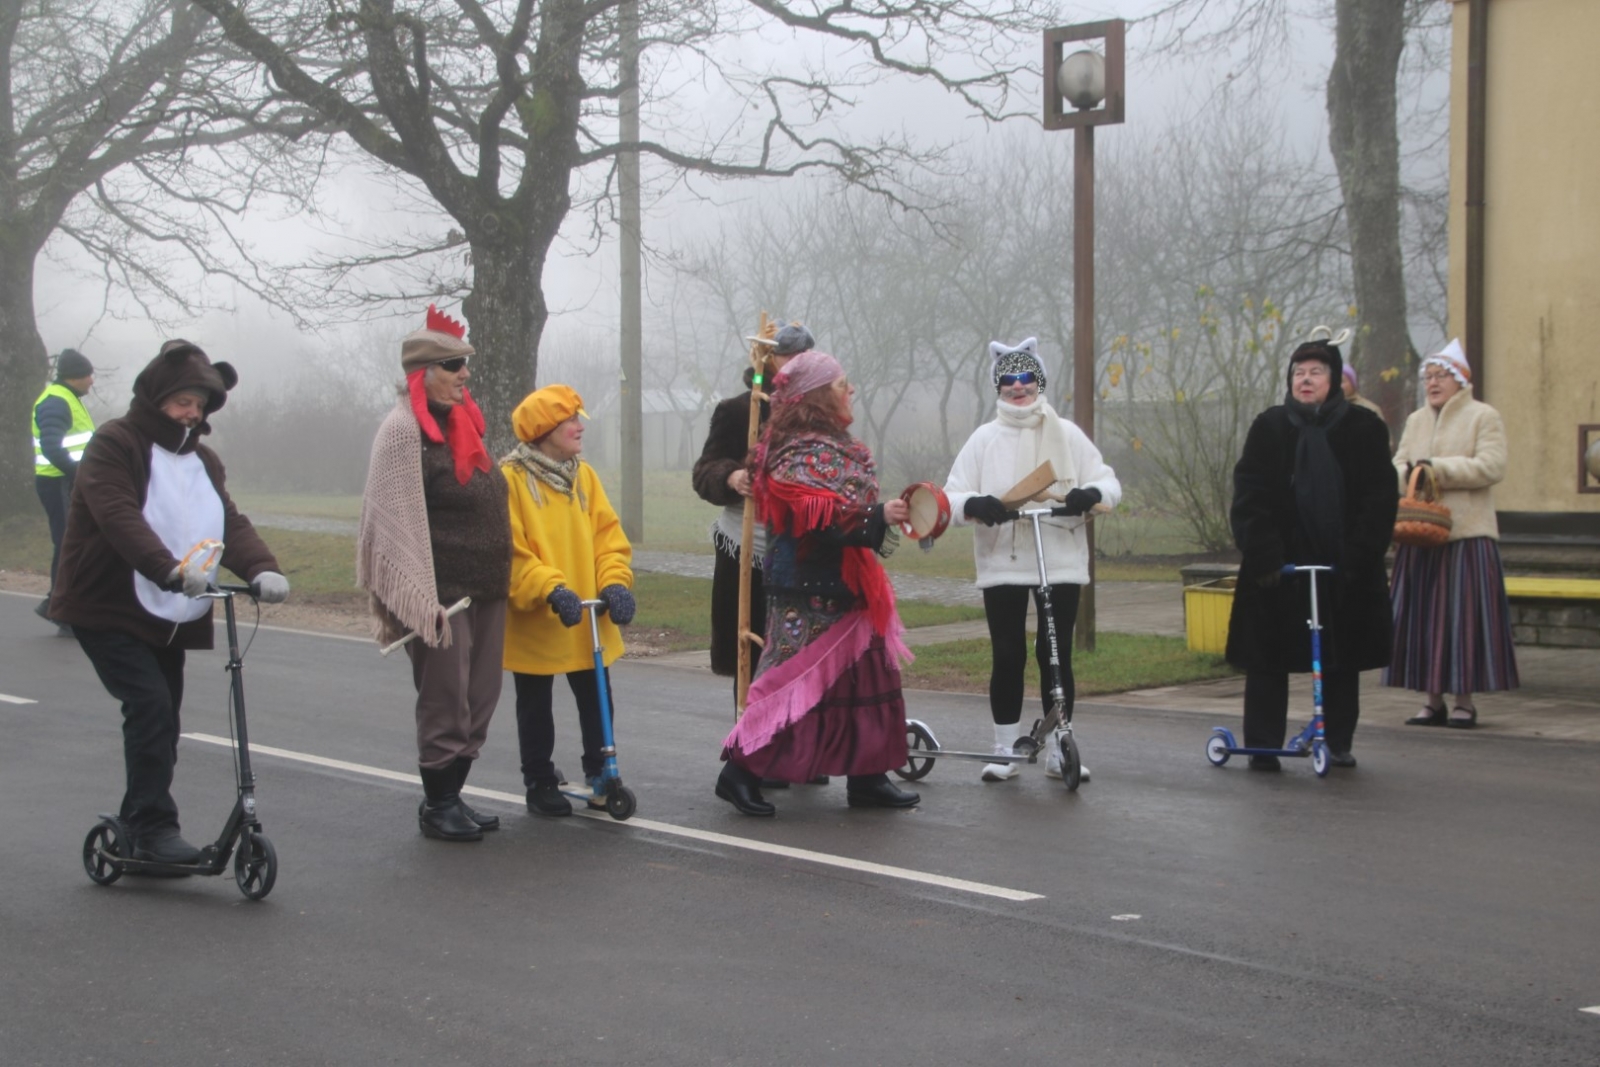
[[760, 348]]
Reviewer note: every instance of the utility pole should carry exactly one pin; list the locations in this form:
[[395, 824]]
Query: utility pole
[[631, 407]]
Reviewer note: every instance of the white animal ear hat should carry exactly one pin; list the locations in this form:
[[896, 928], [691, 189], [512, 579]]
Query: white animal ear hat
[[1452, 358], [1017, 359]]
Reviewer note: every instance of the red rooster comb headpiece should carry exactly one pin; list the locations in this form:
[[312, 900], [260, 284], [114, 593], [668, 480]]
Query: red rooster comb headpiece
[[438, 320]]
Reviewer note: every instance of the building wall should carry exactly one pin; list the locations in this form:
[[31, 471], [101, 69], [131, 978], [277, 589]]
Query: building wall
[[1542, 238]]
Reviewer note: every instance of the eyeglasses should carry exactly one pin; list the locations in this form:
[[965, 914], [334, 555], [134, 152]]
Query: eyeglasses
[[450, 366], [1027, 377], [1310, 370], [1436, 376]]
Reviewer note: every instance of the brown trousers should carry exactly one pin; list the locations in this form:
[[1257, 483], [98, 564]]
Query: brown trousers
[[458, 687]]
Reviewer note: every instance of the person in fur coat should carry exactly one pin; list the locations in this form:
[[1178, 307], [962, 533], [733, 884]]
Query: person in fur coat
[[1024, 432], [1312, 486]]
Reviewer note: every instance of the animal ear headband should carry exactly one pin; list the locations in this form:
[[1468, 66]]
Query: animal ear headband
[[1336, 340]]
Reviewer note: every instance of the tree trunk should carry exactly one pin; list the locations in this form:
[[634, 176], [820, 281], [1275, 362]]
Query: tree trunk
[[24, 367], [1364, 139], [505, 313]]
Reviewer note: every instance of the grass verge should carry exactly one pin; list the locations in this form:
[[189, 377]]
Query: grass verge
[[1120, 662]]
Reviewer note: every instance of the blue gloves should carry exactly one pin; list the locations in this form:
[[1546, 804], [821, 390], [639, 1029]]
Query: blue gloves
[[271, 587], [620, 603], [567, 605], [1081, 500]]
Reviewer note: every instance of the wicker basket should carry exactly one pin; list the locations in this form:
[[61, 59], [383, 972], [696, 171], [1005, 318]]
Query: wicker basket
[[1422, 521]]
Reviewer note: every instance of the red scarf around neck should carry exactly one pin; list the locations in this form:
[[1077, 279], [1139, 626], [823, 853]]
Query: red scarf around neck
[[463, 432]]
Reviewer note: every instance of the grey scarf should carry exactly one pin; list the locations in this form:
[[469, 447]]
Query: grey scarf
[[558, 475]]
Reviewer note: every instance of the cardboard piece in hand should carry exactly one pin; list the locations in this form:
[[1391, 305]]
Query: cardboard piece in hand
[[1035, 487]]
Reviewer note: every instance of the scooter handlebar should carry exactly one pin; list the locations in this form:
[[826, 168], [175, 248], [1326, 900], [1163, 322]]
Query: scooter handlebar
[[1294, 568], [1057, 512]]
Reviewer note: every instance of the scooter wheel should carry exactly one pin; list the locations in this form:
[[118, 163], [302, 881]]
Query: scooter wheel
[[621, 803], [255, 865], [1319, 759], [104, 846], [1071, 764], [918, 739], [1217, 750]]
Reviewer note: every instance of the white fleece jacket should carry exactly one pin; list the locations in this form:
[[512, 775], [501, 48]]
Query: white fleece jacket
[[1004, 554], [1465, 440]]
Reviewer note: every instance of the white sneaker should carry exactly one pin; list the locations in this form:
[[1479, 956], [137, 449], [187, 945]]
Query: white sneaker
[[1000, 772], [1052, 760]]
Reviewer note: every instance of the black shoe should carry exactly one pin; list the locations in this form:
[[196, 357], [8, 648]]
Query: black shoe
[[1265, 763], [774, 783], [821, 779], [445, 820], [1340, 759], [743, 790], [881, 793], [165, 845], [544, 798], [1428, 717], [1469, 721], [42, 608], [486, 823]]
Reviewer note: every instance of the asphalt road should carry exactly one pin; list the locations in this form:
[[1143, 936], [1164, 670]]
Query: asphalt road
[[1438, 905]]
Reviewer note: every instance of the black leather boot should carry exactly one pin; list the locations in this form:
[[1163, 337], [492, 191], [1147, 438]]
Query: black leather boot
[[486, 823], [743, 790], [441, 815]]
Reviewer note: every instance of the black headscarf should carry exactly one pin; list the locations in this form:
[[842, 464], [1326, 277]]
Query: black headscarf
[[1318, 478]]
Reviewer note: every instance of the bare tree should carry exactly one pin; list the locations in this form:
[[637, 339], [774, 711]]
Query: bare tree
[[111, 115], [496, 109], [1370, 37]]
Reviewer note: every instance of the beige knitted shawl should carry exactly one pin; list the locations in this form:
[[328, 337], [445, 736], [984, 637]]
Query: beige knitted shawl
[[394, 554]]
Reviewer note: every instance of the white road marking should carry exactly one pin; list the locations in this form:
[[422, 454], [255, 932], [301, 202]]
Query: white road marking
[[9, 699], [1592, 1011], [1125, 918], [903, 874]]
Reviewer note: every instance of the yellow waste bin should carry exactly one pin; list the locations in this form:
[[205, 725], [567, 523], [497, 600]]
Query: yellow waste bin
[[1206, 608]]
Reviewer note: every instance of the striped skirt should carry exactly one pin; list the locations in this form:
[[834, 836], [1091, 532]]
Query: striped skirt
[[1452, 626]]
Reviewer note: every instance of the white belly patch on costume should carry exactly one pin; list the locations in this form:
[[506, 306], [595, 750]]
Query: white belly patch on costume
[[183, 508]]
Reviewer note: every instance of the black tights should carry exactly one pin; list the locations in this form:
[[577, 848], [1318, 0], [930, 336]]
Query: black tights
[[1006, 608], [536, 726]]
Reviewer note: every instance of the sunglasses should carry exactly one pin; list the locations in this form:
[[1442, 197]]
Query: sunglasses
[[1027, 377], [450, 366]]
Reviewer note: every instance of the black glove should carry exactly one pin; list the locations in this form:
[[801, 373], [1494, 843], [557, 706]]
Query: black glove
[[567, 605], [1081, 500], [619, 602], [986, 509]]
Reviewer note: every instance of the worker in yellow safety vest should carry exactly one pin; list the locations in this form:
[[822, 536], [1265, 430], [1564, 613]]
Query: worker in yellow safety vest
[[61, 429]]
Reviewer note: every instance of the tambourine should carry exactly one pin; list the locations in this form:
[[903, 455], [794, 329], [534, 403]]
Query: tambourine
[[930, 512]]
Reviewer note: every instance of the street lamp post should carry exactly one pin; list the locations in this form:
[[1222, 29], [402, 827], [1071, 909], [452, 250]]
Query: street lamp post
[[1092, 84]]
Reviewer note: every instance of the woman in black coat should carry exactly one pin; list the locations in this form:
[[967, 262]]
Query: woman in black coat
[[1313, 486]]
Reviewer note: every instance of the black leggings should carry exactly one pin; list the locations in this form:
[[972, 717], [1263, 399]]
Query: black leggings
[[536, 725], [1006, 608]]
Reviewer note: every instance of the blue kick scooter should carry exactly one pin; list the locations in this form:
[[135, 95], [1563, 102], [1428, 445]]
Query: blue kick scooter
[[1308, 742], [620, 802]]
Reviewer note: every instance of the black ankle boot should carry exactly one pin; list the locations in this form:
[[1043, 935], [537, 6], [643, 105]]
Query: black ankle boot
[[441, 815], [743, 790], [486, 823]]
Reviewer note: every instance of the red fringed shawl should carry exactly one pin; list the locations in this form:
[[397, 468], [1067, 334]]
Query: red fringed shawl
[[812, 482]]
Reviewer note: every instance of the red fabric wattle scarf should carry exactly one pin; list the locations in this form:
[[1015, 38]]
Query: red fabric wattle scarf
[[463, 433]]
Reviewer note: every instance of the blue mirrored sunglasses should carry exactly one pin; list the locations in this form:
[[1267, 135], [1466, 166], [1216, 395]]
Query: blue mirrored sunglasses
[[1027, 377]]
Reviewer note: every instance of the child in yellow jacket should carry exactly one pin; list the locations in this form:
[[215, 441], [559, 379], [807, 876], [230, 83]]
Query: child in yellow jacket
[[567, 546]]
